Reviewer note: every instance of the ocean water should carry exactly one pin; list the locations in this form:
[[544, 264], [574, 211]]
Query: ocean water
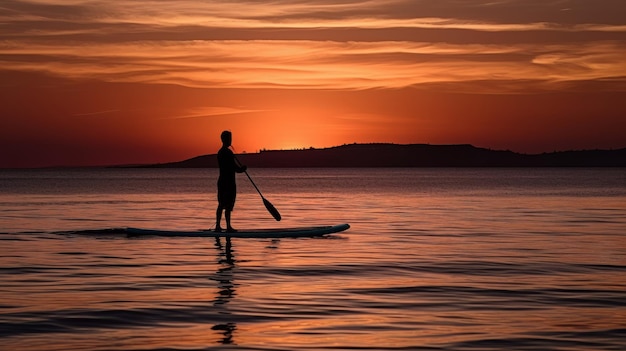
[[436, 259]]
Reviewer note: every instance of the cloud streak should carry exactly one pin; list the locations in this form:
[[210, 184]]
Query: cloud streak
[[214, 111], [96, 113], [187, 43], [320, 65]]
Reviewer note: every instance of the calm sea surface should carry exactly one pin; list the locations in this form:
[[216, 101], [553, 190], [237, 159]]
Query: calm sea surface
[[436, 259]]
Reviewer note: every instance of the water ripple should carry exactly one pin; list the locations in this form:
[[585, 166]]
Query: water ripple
[[435, 260]]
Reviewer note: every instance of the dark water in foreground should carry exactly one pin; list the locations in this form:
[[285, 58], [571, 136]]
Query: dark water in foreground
[[436, 259]]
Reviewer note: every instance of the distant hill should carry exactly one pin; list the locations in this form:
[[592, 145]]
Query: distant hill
[[412, 155]]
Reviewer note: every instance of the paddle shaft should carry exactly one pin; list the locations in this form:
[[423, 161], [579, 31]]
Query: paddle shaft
[[251, 181]]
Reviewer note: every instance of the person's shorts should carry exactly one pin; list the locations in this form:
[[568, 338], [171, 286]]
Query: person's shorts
[[226, 195]]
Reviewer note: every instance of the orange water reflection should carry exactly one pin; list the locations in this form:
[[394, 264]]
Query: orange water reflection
[[417, 269]]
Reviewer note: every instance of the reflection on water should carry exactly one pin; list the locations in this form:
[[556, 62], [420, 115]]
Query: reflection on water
[[224, 279], [434, 260]]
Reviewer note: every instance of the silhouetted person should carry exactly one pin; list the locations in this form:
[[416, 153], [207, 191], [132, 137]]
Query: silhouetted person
[[226, 186]]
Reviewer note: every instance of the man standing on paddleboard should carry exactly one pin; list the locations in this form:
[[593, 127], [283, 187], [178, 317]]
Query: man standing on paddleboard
[[226, 186]]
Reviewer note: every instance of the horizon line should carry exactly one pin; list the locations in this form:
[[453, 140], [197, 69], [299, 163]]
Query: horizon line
[[131, 165]]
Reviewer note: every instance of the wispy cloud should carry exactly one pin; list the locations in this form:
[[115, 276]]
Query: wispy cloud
[[91, 40], [95, 113], [143, 20], [212, 111], [312, 64]]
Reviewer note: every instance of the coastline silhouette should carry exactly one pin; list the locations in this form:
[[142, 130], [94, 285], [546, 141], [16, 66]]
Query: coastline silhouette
[[411, 155]]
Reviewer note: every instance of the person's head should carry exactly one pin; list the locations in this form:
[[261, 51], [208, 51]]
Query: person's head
[[227, 138]]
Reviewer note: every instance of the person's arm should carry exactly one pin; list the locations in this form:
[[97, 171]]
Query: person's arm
[[239, 168]]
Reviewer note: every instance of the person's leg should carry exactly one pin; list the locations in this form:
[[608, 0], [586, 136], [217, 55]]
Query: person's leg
[[229, 228], [218, 218], [229, 208]]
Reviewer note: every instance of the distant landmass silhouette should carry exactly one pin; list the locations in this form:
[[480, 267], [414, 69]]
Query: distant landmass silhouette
[[411, 155]]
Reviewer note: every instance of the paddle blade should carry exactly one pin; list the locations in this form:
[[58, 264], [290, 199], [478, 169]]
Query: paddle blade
[[272, 210]]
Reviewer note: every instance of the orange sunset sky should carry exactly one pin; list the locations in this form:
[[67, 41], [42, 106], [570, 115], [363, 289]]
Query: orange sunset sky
[[103, 82]]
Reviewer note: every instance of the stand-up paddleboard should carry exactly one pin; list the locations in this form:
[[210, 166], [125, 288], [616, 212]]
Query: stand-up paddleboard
[[259, 233]]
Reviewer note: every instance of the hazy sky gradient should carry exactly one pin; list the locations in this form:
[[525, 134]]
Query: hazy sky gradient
[[101, 82]]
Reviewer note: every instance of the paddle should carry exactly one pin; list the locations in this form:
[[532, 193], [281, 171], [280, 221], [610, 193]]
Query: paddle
[[270, 208]]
